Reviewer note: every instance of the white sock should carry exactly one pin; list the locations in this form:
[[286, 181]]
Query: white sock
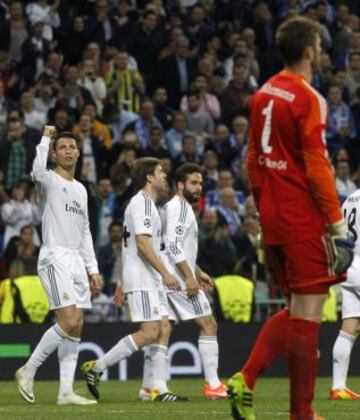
[[341, 358], [209, 353], [48, 344], [159, 364], [147, 369], [68, 352], [124, 348]]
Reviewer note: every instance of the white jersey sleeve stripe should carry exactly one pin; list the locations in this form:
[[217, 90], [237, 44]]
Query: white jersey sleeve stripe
[[147, 206]]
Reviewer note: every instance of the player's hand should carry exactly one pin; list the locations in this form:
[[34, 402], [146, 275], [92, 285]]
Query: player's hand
[[95, 284], [342, 245], [119, 295], [171, 281], [49, 131], [192, 286], [205, 281]]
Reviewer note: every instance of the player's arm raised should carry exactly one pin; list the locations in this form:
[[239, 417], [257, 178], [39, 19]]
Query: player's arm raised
[[144, 245], [175, 230], [42, 153]]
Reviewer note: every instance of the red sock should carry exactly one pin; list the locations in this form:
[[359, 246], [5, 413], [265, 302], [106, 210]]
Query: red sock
[[270, 343], [302, 358]]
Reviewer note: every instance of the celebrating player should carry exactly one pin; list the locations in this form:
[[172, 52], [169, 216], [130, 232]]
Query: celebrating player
[[302, 223], [66, 265], [142, 273], [180, 234], [350, 327]]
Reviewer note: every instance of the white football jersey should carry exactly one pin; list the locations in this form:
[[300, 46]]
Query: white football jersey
[[180, 235], [141, 218], [351, 209], [64, 212]]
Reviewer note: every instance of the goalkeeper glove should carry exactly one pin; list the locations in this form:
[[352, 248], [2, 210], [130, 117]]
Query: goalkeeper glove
[[343, 246]]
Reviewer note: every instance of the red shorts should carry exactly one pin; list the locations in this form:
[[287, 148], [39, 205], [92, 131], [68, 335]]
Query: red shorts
[[305, 268]]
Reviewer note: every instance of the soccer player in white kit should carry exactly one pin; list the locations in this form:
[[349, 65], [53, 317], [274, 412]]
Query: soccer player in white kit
[[143, 271], [350, 327], [180, 235], [67, 264]]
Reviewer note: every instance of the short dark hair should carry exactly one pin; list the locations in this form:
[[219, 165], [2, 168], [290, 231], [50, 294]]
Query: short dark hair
[[184, 170], [66, 135], [22, 230], [294, 35], [114, 224], [142, 168]]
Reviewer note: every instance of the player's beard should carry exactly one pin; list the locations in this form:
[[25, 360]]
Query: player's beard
[[190, 197]]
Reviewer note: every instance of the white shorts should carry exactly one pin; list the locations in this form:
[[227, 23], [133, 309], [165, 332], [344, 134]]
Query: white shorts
[[147, 305], [351, 292], [184, 308], [65, 281]]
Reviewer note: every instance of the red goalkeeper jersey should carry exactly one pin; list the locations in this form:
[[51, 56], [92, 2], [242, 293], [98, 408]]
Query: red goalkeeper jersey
[[289, 170]]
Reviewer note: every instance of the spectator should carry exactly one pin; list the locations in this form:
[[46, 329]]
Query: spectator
[[230, 209], [211, 173], [73, 41], [125, 86], [145, 46], [91, 164], [45, 99], [176, 72], [13, 32], [6, 105], [145, 122], [235, 97], [352, 78], [117, 119], [217, 252], [39, 10], [344, 185], [98, 129], [94, 84], [238, 137], [245, 241], [34, 51], [199, 29], [19, 212], [101, 26], [208, 102], [341, 122], [53, 67], [199, 122], [174, 135], [189, 153], [225, 180], [109, 258], [163, 112], [222, 145], [155, 148], [33, 117], [62, 120], [106, 206], [16, 154], [23, 248], [76, 96], [120, 172], [242, 54]]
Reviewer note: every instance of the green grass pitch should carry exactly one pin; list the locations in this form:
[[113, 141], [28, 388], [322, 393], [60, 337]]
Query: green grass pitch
[[118, 401]]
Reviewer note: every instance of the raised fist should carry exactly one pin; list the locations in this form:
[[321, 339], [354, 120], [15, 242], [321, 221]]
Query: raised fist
[[49, 131]]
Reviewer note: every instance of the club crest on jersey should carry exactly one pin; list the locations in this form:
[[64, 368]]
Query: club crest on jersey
[[66, 296], [156, 310], [179, 230], [147, 223], [64, 190]]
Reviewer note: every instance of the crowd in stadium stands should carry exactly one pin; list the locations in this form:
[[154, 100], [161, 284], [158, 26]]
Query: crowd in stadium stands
[[171, 79]]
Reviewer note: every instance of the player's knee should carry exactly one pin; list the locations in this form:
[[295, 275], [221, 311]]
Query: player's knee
[[208, 326], [70, 326], [165, 328]]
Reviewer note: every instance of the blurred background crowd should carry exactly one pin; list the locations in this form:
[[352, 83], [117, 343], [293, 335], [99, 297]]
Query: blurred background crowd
[[170, 79]]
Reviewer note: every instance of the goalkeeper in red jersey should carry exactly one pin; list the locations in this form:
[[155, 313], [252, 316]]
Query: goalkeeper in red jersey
[[303, 227]]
